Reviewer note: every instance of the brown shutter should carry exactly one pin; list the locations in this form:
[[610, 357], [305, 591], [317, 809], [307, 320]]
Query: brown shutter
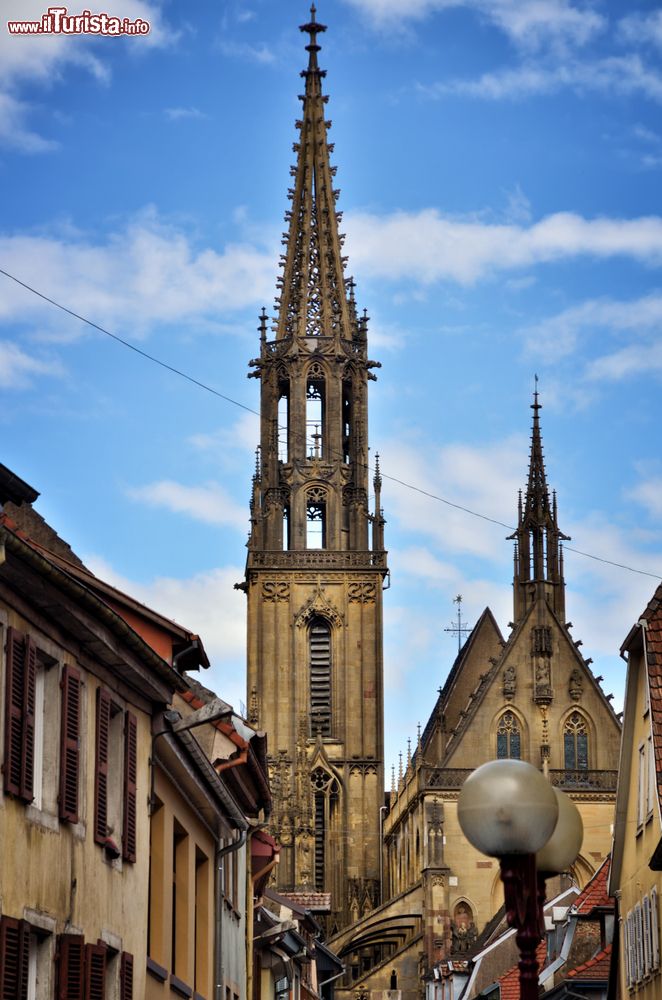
[[130, 773], [126, 976], [69, 745], [95, 972], [101, 768], [29, 695], [14, 958], [14, 692], [71, 967]]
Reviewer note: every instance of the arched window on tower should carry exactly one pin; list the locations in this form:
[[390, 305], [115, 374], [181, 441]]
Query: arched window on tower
[[326, 793], [509, 737], [316, 518], [283, 418], [575, 743], [346, 419], [315, 413], [319, 638]]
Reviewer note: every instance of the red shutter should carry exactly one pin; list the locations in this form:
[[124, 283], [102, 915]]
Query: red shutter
[[126, 976], [71, 967], [95, 972], [14, 692], [130, 772], [69, 745], [29, 693], [14, 957], [101, 769]]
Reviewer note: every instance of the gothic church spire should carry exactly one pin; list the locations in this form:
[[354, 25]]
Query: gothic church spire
[[313, 299], [538, 549]]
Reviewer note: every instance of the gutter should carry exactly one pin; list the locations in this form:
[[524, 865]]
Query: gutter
[[87, 598]]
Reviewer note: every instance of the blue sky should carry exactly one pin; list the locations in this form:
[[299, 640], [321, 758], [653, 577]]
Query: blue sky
[[500, 165]]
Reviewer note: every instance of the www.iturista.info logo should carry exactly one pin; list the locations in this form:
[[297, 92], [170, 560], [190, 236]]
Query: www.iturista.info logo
[[58, 21]]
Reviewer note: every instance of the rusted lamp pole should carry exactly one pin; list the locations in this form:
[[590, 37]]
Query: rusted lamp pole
[[508, 810]]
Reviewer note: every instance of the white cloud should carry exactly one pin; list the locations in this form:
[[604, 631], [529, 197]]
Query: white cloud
[[210, 504], [484, 479], [642, 28], [206, 604], [633, 360], [44, 58], [18, 368], [527, 23], [558, 336], [260, 53], [648, 493], [427, 247], [624, 75], [145, 274], [244, 435], [177, 114]]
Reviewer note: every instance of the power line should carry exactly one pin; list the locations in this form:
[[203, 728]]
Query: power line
[[249, 409]]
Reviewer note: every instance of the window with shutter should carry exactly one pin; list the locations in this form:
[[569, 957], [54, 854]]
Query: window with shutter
[[319, 640], [655, 932], [627, 931], [101, 767], [69, 745], [71, 967], [130, 774], [639, 941], [14, 958], [95, 972], [126, 976], [20, 695], [646, 920]]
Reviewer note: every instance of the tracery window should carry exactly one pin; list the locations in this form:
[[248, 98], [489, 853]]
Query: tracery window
[[283, 418], [315, 413], [575, 743], [326, 793], [509, 737], [316, 518]]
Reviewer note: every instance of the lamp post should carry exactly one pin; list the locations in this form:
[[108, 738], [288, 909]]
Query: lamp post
[[508, 810]]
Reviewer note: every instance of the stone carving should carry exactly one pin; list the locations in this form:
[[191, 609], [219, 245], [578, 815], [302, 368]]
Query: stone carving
[[509, 682], [275, 591], [363, 592], [319, 604], [253, 708], [318, 558], [576, 684], [463, 930]]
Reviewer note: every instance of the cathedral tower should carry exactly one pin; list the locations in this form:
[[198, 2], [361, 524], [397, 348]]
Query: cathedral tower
[[316, 560]]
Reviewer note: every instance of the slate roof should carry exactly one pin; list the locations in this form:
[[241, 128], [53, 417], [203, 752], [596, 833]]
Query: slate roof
[[596, 892], [596, 967]]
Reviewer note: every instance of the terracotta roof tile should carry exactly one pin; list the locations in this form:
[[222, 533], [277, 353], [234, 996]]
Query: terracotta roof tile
[[595, 891], [317, 902], [596, 968], [509, 982]]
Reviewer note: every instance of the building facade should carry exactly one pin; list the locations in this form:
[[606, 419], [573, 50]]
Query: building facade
[[316, 560]]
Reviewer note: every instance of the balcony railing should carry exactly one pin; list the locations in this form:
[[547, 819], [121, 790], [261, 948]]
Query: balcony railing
[[452, 778]]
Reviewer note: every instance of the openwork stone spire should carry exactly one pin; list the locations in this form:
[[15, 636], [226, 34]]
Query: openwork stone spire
[[538, 549], [313, 300]]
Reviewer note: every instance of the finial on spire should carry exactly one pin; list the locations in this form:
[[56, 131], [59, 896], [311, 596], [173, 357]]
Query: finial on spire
[[313, 28], [377, 481]]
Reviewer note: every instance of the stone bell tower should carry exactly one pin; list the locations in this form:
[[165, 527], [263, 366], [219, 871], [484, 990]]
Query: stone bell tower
[[316, 561]]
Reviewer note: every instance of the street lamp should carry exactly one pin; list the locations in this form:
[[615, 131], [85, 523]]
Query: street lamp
[[508, 810]]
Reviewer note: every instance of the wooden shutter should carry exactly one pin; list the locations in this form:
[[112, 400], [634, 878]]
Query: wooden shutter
[[20, 685], [126, 976], [69, 745], [14, 958], [655, 931], [95, 972], [101, 767], [130, 775], [71, 967]]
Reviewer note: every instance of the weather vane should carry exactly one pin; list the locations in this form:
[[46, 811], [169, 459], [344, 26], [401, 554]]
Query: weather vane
[[461, 628]]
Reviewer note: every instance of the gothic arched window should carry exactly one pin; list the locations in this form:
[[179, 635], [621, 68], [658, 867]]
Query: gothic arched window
[[575, 743], [509, 737], [283, 418], [316, 518], [319, 639], [326, 793], [315, 412]]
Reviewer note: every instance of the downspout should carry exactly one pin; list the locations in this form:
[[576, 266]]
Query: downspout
[[219, 971]]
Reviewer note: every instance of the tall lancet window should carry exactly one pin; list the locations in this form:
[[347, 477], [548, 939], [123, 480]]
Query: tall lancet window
[[315, 413], [283, 418], [575, 743], [509, 737], [326, 792], [320, 677], [316, 518], [346, 419]]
